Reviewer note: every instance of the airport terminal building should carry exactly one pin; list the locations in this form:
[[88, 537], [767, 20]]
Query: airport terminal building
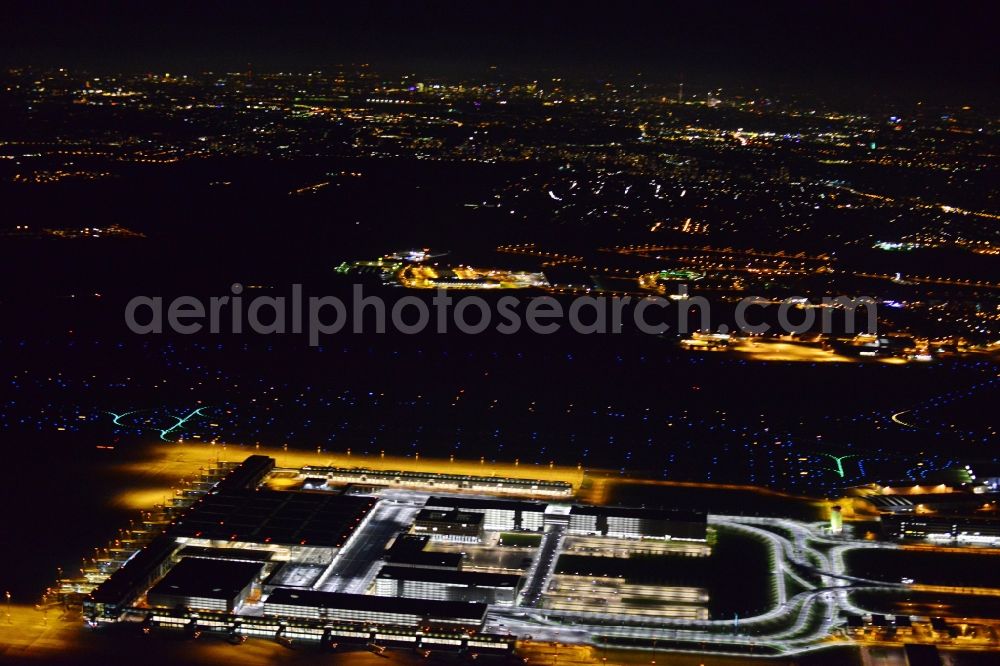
[[328, 563]]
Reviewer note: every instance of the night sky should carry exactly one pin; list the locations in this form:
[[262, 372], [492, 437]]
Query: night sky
[[883, 47]]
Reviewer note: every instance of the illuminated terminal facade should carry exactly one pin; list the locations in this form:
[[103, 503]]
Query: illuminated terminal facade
[[629, 523], [493, 485], [366, 608], [443, 585], [209, 584], [498, 515], [943, 529]]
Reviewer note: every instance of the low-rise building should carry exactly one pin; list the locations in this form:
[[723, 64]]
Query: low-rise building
[[439, 584], [450, 525], [634, 523], [958, 529], [209, 584], [371, 609], [297, 526], [409, 550], [498, 515]]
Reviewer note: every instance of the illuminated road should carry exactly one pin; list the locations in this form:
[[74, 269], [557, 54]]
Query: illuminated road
[[356, 565], [544, 563], [911, 279], [801, 623], [899, 421]]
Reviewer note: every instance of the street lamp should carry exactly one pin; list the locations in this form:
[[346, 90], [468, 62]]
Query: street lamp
[[7, 595]]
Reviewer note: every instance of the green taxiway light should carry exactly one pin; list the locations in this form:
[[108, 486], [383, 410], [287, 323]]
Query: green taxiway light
[[840, 462], [180, 420], [117, 417], [180, 423]]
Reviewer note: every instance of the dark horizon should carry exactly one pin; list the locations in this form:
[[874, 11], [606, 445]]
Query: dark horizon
[[843, 49]]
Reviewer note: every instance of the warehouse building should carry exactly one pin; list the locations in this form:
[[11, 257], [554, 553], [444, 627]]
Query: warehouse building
[[442, 585]]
